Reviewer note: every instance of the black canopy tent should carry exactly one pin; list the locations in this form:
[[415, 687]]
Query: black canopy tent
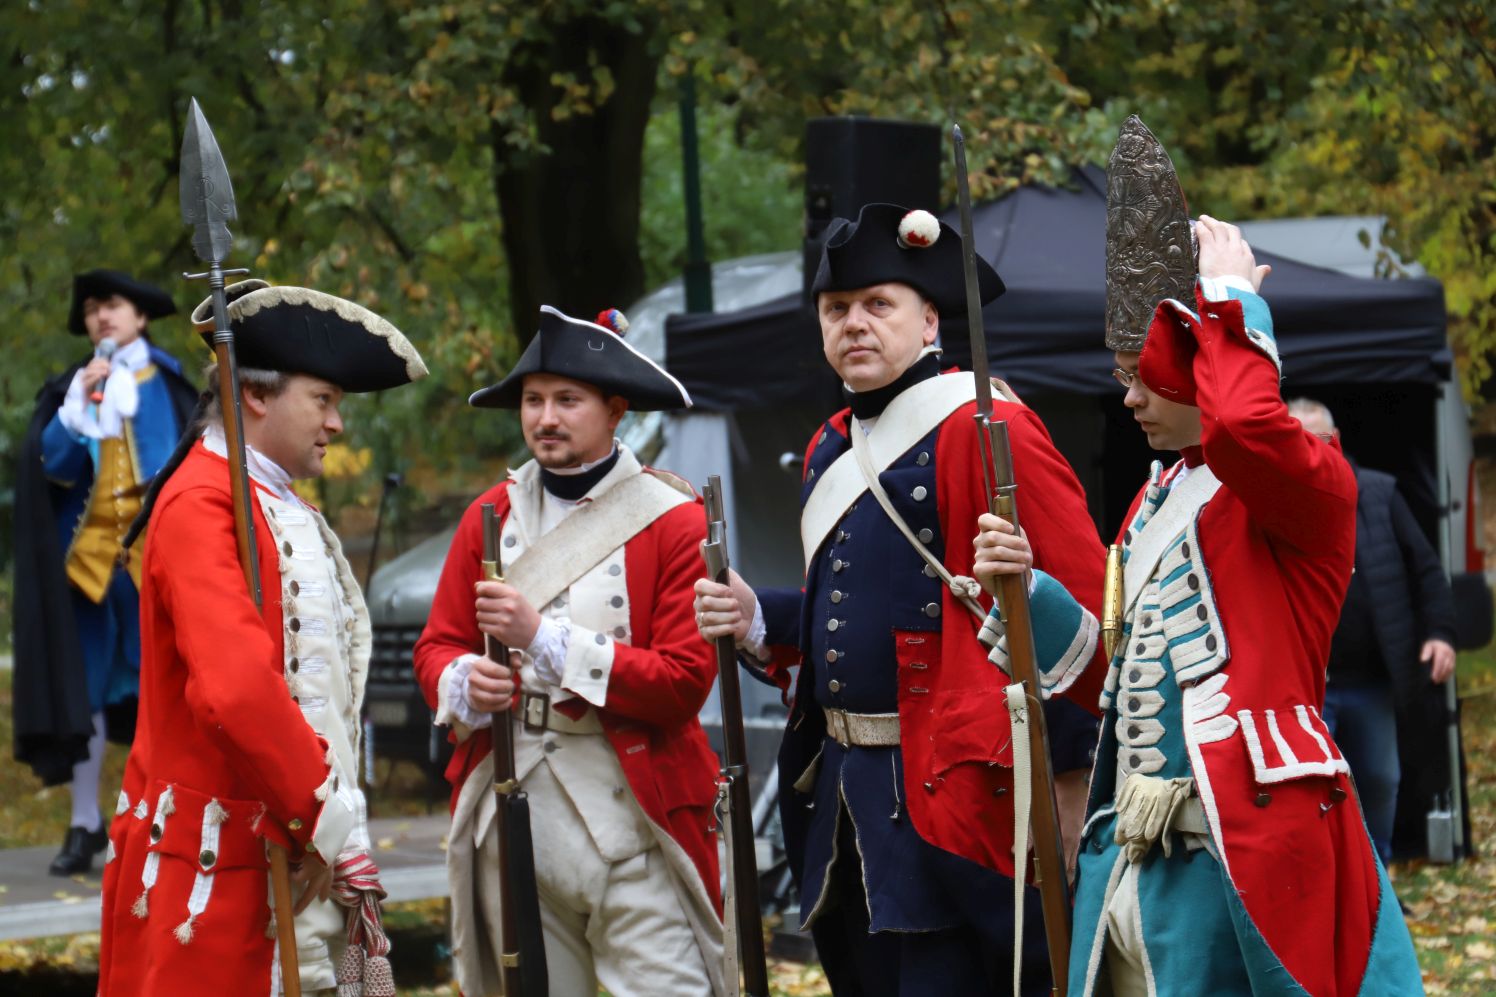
[[1044, 334]]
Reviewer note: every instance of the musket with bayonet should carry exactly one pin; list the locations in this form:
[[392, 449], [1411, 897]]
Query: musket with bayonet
[[996, 456], [521, 943], [742, 918], [207, 197]]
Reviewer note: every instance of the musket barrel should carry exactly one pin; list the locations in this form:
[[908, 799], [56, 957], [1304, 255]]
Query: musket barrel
[[733, 779]]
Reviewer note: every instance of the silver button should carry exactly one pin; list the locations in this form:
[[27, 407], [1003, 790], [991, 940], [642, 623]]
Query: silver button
[[559, 602], [929, 571], [596, 673], [811, 475], [510, 541], [837, 596], [837, 564], [923, 458], [842, 536], [834, 685], [620, 632], [831, 657], [550, 746], [615, 569], [926, 535], [617, 790], [601, 639], [823, 437], [932, 609], [919, 493], [616, 601], [832, 625]]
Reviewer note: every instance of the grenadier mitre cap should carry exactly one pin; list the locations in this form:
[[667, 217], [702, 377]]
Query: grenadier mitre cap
[[1150, 254], [889, 244], [592, 353], [301, 331], [150, 299]]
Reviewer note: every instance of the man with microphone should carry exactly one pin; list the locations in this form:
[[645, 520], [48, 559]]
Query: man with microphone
[[100, 431]]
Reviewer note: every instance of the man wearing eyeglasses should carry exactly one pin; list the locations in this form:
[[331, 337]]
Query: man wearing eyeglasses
[[1224, 849]]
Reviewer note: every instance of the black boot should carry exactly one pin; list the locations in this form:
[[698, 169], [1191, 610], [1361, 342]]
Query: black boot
[[78, 850]]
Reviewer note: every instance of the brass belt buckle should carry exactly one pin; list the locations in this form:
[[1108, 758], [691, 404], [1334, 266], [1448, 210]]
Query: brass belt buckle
[[545, 712], [839, 728]]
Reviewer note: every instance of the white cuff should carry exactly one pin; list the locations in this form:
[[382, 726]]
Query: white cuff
[[336, 821], [358, 839], [1219, 288], [452, 706], [589, 665], [758, 632], [73, 413], [547, 652]]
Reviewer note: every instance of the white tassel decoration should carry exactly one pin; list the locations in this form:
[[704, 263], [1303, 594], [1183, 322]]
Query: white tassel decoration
[[214, 813], [141, 907], [183, 932], [168, 804]]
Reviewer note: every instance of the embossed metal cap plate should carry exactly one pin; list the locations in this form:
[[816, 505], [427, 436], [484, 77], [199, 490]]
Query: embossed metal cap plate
[[1150, 254]]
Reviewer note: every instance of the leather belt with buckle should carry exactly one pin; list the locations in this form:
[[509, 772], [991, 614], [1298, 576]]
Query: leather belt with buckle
[[537, 717], [862, 730], [534, 711]]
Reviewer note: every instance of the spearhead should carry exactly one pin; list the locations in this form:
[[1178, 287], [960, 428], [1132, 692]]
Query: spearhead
[[206, 191]]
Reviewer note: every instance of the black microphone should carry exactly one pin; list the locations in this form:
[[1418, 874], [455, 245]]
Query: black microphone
[[103, 351]]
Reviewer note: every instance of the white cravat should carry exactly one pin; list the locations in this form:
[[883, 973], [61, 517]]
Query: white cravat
[[106, 420], [264, 470]]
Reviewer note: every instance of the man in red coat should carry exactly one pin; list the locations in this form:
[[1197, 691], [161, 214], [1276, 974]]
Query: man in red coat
[[605, 680], [896, 779], [248, 729], [1225, 852]]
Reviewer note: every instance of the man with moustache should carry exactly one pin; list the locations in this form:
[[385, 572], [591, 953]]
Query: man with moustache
[[249, 715], [895, 770], [603, 686], [100, 431], [1224, 849]]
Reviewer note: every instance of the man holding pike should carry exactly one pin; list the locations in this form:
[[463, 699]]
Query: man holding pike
[[249, 719], [897, 792], [1224, 851], [602, 688]]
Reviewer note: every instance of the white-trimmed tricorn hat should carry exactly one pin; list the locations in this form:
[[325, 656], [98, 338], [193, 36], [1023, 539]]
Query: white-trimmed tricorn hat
[[592, 353], [301, 331]]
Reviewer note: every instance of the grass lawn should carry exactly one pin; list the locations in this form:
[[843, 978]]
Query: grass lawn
[[1451, 908]]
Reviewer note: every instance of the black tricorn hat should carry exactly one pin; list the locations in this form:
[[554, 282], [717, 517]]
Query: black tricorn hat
[[591, 353], [888, 244], [150, 299], [301, 331]]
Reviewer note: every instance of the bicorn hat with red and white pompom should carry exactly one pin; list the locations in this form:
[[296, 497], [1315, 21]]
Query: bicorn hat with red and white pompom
[[594, 353], [892, 244]]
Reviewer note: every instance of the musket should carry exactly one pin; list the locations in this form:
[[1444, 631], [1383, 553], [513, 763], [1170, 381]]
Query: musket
[[207, 198], [521, 943], [734, 806], [1002, 499]]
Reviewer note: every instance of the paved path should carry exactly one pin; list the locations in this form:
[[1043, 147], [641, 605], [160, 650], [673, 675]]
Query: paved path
[[408, 850]]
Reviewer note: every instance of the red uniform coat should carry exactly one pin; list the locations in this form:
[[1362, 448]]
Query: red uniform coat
[[954, 729], [216, 723], [1278, 539], [657, 685]]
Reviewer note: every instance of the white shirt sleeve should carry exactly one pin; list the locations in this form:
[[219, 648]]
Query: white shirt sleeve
[[452, 693], [1219, 288], [547, 652], [758, 631]]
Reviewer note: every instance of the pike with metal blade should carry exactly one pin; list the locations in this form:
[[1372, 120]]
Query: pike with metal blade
[[207, 205], [207, 194]]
